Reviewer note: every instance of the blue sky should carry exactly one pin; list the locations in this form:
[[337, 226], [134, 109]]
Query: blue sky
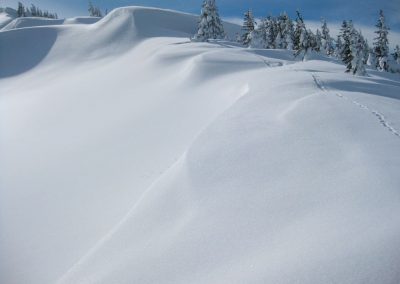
[[362, 12]]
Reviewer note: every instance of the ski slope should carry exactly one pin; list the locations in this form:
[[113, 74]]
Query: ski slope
[[131, 155]]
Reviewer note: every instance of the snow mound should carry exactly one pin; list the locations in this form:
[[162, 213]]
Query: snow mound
[[31, 22], [28, 22], [6, 16], [81, 20], [118, 32], [155, 22]]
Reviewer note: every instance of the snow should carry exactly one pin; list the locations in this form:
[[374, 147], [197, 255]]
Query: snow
[[132, 155], [6, 16], [27, 22]]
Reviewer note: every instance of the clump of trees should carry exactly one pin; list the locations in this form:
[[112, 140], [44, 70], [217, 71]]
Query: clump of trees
[[282, 32], [34, 11], [95, 11]]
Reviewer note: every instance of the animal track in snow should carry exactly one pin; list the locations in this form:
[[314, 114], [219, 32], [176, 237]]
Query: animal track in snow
[[383, 121]]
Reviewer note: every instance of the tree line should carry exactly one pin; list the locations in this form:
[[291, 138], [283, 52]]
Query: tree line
[[281, 32], [95, 11], [34, 11]]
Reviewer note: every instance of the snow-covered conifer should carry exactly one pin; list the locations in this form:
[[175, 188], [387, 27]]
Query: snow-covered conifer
[[247, 28], [326, 40], [371, 58], [381, 48], [366, 49], [258, 37], [358, 53], [289, 34], [210, 25], [317, 44], [338, 46], [284, 28], [346, 52], [270, 32], [396, 54], [21, 10], [94, 11], [301, 43]]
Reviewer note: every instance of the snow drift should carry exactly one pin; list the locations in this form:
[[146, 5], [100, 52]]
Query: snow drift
[[28, 22], [132, 155], [6, 16], [116, 33]]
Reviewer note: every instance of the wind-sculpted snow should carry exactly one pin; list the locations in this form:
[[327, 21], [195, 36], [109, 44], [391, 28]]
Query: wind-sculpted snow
[[279, 177], [6, 16], [130, 154], [29, 22], [22, 50], [117, 33]]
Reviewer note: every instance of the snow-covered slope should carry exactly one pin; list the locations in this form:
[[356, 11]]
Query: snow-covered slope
[[31, 22], [6, 16], [9, 20], [116, 33], [132, 155], [36, 21]]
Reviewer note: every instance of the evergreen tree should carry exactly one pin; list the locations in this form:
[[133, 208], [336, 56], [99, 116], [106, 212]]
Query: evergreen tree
[[21, 10], [371, 58], [317, 44], [33, 11], [396, 54], [358, 52], [381, 43], [289, 33], [338, 46], [326, 40], [301, 43], [346, 52], [247, 28], [366, 49], [258, 37], [270, 32], [284, 28], [94, 11], [210, 25]]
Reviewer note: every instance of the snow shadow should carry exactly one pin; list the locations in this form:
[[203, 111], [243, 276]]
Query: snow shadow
[[23, 49], [377, 88]]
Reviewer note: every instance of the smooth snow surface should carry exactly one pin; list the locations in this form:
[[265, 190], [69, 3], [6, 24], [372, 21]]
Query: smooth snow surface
[[131, 155], [9, 20], [36, 22]]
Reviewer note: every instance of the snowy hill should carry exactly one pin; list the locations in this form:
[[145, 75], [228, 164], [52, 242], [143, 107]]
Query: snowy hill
[[131, 155], [37, 21], [6, 16]]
